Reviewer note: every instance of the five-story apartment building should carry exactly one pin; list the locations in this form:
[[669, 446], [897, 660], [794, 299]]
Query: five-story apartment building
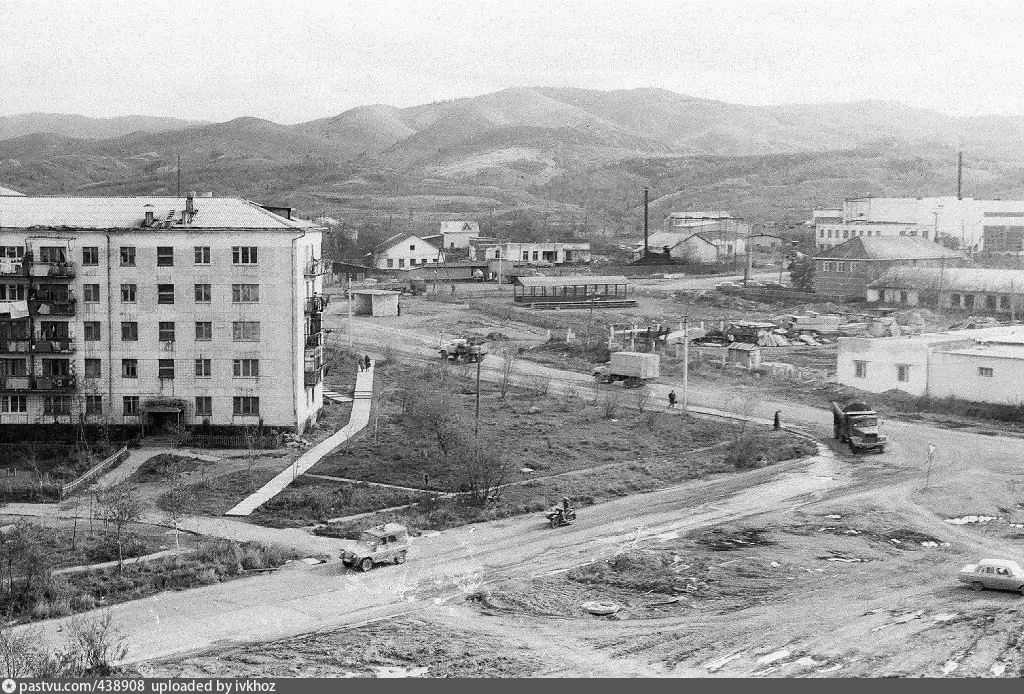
[[159, 310]]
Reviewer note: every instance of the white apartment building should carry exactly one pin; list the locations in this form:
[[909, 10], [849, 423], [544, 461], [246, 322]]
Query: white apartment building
[[159, 310], [972, 225]]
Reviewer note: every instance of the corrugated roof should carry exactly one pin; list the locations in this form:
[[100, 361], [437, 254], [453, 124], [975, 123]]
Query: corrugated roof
[[129, 213], [958, 279], [888, 248], [570, 281], [8, 191]]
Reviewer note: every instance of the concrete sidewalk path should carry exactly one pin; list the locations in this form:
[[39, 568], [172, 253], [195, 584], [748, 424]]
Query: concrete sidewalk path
[[360, 417]]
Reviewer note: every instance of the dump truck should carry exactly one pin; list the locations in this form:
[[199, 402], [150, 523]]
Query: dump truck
[[632, 368], [856, 425], [464, 349]]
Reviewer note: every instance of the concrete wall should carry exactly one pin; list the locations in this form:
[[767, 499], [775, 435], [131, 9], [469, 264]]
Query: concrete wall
[[957, 375]]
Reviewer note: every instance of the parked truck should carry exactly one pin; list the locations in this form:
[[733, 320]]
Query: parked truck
[[856, 425], [464, 349], [632, 368]]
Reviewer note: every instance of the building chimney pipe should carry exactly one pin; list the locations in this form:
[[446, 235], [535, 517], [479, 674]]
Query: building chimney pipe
[[190, 206]]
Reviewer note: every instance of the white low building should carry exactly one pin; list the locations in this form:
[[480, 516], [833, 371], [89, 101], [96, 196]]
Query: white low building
[[456, 235], [531, 253], [404, 251], [984, 365]]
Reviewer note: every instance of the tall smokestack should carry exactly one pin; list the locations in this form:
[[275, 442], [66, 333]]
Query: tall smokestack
[[646, 234], [959, 176]]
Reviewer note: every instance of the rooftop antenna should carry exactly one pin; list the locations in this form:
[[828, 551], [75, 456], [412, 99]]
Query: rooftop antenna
[[646, 234], [959, 175]]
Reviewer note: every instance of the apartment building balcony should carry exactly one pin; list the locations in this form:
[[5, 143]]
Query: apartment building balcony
[[53, 306], [317, 267], [13, 267], [53, 345], [52, 270], [17, 384], [55, 384], [314, 340], [316, 304], [15, 346], [313, 376]]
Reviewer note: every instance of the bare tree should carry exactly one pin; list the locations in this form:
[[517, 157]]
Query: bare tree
[[508, 367], [177, 502], [481, 471], [610, 404], [643, 399], [252, 453], [95, 647], [120, 507], [438, 417]]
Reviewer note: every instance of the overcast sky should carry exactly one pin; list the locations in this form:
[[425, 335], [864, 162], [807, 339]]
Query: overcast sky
[[303, 59]]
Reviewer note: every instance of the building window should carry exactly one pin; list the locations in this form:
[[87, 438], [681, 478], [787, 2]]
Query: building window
[[56, 404], [91, 293], [127, 256], [860, 369], [204, 331], [129, 368], [969, 301], [93, 368], [128, 293], [246, 405], [401, 262], [841, 266], [165, 256], [412, 246], [203, 293], [985, 371], [391, 262], [93, 404], [903, 297], [90, 255], [990, 302], [165, 293], [13, 404], [1004, 302], [243, 255], [245, 331], [903, 373], [92, 331], [52, 254], [166, 368], [204, 368], [245, 293], [56, 367], [12, 251], [202, 255], [13, 367], [130, 405], [954, 300], [247, 368], [166, 331], [12, 292], [204, 406], [129, 331]]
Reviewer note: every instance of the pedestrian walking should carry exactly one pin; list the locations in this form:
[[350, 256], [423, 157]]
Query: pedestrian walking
[[453, 290], [778, 419], [672, 398], [366, 362]]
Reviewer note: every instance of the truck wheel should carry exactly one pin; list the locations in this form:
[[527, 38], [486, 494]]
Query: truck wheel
[[400, 559], [366, 564], [444, 354], [977, 585]]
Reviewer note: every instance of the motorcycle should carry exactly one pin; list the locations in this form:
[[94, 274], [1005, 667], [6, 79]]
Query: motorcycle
[[561, 516]]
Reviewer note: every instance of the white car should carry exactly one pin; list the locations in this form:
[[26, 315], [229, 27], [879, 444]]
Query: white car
[[381, 544], [999, 574]]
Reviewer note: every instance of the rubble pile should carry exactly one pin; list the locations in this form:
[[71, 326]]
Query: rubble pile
[[296, 441]]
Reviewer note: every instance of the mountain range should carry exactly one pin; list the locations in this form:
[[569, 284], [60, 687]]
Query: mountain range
[[540, 152]]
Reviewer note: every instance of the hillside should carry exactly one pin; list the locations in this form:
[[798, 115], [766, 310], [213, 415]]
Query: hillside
[[579, 155]]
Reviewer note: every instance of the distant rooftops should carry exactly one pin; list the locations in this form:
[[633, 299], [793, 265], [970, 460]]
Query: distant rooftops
[[888, 248], [101, 213]]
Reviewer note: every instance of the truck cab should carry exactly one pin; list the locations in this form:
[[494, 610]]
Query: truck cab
[[856, 424]]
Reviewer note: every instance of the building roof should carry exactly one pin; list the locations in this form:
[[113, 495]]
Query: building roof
[[888, 248], [26, 212], [9, 192], [460, 227], [376, 292], [660, 239], [960, 279], [393, 241], [571, 280]]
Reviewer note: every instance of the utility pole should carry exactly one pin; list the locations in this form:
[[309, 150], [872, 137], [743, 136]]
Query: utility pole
[[350, 310], [686, 362], [959, 175], [931, 454], [647, 237], [476, 426], [178, 194]]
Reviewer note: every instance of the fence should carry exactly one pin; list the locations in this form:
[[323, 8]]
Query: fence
[[265, 441], [114, 460]]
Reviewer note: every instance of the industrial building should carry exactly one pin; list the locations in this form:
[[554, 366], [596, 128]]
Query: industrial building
[[995, 226], [984, 365], [980, 290], [403, 251], [846, 270], [674, 246], [531, 253], [159, 311], [726, 233]]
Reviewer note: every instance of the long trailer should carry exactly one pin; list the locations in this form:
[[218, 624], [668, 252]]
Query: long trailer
[[633, 368]]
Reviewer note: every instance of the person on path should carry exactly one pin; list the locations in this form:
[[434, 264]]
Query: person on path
[[453, 290], [366, 362], [672, 398], [778, 420]]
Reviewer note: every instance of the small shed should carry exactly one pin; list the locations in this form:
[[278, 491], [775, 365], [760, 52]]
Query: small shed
[[743, 354], [375, 302], [576, 291]]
